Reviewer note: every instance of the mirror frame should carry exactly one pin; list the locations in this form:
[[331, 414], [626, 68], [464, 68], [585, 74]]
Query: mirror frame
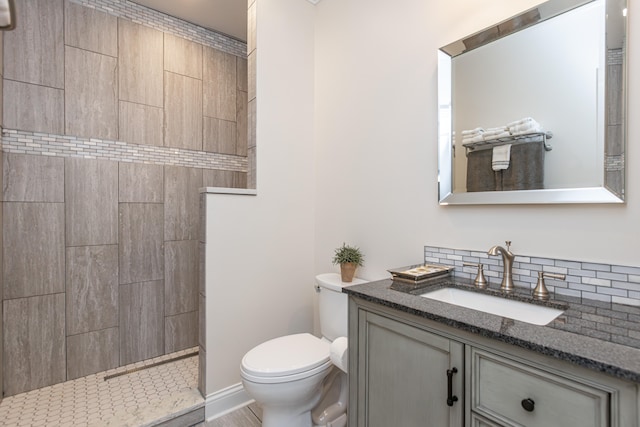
[[603, 194]]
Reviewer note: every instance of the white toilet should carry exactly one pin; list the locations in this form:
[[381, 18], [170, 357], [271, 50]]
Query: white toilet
[[292, 375]]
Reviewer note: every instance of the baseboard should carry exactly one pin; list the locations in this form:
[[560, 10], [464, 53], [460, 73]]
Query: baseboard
[[225, 401]]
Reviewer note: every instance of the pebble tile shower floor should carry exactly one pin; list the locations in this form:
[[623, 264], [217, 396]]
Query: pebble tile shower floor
[[136, 398]]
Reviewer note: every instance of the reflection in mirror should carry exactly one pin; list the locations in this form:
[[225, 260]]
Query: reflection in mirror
[[532, 110]]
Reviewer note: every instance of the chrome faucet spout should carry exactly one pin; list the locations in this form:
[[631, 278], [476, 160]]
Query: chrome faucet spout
[[507, 261]]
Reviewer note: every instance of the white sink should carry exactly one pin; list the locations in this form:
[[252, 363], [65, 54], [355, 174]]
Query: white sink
[[517, 310]]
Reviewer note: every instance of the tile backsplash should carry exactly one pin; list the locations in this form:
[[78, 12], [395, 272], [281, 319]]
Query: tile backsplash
[[603, 282]]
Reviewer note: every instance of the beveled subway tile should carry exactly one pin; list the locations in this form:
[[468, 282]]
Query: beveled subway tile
[[90, 29], [142, 316], [33, 249], [141, 252], [181, 276], [92, 352], [182, 112], [141, 183], [141, 124], [91, 103], [29, 178], [39, 361], [91, 208], [181, 202], [92, 288], [181, 331]]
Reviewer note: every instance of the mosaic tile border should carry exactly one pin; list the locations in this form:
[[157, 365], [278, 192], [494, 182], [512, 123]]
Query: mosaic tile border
[[602, 282], [25, 142], [154, 19]]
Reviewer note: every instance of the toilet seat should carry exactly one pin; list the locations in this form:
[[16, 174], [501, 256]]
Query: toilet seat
[[286, 359]]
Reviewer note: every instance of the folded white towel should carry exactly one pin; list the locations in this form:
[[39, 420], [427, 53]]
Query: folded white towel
[[5, 14], [498, 129], [501, 157], [520, 130], [472, 131], [472, 139], [523, 120], [503, 134], [524, 125]]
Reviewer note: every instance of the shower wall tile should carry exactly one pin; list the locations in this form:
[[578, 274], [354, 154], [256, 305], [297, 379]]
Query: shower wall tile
[[140, 63], [40, 33], [91, 101], [251, 131], [40, 360], [202, 371], [202, 320], [141, 124], [181, 202], [92, 352], [219, 136], [32, 107], [33, 249], [182, 112], [91, 288], [252, 174], [91, 189], [90, 29], [251, 26], [181, 331], [141, 256], [141, 183], [182, 56], [242, 120], [28, 178], [222, 178], [219, 84], [251, 76], [181, 276], [142, 317], [202, 253], [242, 77]]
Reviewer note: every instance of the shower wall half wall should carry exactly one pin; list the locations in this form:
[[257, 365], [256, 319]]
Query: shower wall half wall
[[110, 128]]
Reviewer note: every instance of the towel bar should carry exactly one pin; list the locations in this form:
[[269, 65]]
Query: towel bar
[[514, 140]]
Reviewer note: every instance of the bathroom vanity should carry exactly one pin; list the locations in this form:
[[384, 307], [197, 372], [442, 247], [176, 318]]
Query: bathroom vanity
[[419, 361]]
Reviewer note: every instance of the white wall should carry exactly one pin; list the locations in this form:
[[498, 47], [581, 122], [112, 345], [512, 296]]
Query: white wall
[[376, 138], [260, 249]]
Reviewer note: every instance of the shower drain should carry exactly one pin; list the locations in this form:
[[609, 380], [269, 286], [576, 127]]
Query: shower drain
[[142, 368]]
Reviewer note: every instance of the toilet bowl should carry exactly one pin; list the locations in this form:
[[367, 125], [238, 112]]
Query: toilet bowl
[[292, 375]]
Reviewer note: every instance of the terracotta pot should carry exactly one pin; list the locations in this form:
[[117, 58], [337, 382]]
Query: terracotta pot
[[347, 271]]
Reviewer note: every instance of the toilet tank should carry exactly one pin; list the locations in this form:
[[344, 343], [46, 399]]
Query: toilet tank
[[333, 305]]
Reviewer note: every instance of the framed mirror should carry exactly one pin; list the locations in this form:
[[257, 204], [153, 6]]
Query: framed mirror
[[532, 109]]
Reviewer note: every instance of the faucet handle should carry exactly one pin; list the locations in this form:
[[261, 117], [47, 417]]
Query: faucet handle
[[508, 243], [541, 292], [480, 281]]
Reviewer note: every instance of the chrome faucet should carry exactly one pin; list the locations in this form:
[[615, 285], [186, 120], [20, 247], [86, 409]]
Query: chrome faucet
[[507, 260]]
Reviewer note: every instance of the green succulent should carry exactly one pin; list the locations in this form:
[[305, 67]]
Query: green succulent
[[346, 254]]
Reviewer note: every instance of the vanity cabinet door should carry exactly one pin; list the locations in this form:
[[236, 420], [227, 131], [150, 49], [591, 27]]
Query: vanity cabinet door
[[516, 394], [403, 378]]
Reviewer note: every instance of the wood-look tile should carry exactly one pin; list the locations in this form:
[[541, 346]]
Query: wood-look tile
[[180, 276], [252, 173], [182, 56], [142, 318], [224, 179], [242, 76], [38, 361], [242, 417], [34, 51], [90, 29], [219, 84], [181, 202], [180, 331], [91, 190], [141, 248], [251, 129], [219, 136], [141, 124], [33, 249], [29, 178], [140, 62], [33, 107], [182, 112], [141, 183], [251, 75], [242, 123], [91, 288], [92, 352], [91, 102]]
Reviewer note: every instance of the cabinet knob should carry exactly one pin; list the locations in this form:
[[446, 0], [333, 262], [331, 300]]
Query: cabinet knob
[[528, 404]]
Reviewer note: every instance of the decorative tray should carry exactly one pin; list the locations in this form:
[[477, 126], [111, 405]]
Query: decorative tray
[[419, 272]]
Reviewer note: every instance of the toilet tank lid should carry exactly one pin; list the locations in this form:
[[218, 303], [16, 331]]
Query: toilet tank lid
[[333, 281], [286, 355]]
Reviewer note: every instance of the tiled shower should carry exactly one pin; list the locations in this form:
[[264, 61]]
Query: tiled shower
[[100, 226]]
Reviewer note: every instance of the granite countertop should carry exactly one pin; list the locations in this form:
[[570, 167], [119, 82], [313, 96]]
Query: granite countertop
[[597, 335]]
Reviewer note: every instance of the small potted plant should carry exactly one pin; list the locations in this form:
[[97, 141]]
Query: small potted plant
[[349, 258]]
